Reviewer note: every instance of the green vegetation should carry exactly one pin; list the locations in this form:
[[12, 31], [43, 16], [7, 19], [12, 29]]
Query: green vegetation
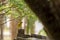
[[19, 9]]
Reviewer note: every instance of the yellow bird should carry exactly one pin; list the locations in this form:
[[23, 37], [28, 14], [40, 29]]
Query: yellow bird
[[19, 25]]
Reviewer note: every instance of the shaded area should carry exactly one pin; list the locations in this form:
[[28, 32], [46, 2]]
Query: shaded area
[[22, 36], [47, 12]]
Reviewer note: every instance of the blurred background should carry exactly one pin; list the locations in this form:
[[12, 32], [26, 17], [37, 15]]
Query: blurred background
[[15, 15]]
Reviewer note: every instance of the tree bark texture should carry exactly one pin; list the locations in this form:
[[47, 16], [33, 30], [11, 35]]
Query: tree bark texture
[[48, 12]]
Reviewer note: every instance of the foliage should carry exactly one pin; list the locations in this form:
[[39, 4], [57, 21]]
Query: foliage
[[23, 10], [42, 32], [19, 9]]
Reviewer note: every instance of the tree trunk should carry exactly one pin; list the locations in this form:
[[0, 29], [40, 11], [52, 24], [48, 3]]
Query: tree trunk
[[2, 20], [49, 13], [13, 26], [1, 26]]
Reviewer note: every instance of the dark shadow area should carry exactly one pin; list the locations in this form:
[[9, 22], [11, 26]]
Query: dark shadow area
[[46, 10], [22, 36]]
